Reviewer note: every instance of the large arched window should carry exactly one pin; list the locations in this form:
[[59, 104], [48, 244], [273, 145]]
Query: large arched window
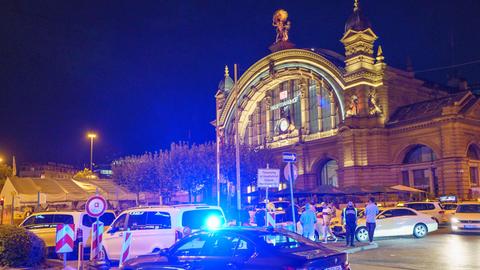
[[419, 154], [473, 152], [473, 155], [419, 170], [327, 173]]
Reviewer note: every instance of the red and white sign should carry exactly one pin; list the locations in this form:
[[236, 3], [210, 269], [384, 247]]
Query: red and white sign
[[287, 171], [270, 219], [65, 238], [96, 245], [127, 240], [96, 206]]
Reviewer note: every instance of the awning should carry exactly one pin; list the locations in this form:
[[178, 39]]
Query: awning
[[407, 189]]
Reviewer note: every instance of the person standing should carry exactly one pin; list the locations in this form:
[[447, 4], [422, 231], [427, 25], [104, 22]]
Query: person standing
[[328, 213], [308, 219], [371, 212], [349, 219]]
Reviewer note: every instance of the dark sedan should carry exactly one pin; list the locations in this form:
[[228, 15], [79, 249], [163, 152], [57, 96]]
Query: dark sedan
[[243, 248]]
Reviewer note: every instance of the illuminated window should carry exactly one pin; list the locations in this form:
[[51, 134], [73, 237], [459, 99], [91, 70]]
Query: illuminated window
[[419, 154], [328, 174]]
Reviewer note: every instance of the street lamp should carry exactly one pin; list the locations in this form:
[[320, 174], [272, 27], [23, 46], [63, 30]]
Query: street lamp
[[91, 136]]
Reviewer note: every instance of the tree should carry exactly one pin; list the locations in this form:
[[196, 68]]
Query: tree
[[5, 171], [85, 174]]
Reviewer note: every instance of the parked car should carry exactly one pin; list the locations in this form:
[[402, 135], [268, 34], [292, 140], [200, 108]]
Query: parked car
[[449, 209], [157, 227], [244, 248], [44, 225], [433, 209], [466, 218], [398, 221]]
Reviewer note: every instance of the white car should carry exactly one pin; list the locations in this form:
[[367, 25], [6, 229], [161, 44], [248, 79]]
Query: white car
[[466, 218], [398, 221], [433, 209], [157, 227]]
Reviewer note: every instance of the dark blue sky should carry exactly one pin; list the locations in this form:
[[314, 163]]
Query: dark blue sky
[[144, 73]]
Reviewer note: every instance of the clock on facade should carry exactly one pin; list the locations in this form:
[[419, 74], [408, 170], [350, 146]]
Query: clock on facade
[[283, 124]]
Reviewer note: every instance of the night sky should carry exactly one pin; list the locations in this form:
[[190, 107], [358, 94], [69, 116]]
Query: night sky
[[143, 74]]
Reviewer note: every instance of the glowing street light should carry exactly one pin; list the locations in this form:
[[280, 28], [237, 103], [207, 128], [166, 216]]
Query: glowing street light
[[91, 136]]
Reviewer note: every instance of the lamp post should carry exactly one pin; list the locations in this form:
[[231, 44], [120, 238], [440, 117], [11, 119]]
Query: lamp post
[[91, 136]]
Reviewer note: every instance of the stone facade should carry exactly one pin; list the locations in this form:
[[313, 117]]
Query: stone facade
[[353, 120]]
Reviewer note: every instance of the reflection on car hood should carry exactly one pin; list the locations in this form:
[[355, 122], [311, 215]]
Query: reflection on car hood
[[151, 258], [315, 253]]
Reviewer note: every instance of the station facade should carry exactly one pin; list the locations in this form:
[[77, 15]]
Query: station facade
[[352, 119]]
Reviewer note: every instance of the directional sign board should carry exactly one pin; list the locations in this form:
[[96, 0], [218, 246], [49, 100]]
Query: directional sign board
[[287, 171], [96, 206], [289, 157], [268, 178]]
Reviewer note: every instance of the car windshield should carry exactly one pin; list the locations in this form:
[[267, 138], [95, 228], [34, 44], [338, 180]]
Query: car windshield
[[468, 208], [287, 242], [107, 219], [144, 220], [449, 206], [198, 218], [47, 221]]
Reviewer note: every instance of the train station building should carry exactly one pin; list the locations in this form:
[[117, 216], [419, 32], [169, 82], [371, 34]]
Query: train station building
[[351, 118]]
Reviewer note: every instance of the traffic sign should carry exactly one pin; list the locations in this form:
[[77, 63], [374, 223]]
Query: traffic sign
[[287, 171], [65, 236], [289, 157], [268, 178], [96, 246], [270, 216], [127, 240], [96, 206]]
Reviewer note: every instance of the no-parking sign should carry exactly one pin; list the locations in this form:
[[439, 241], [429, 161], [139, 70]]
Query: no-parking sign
[[96, 206]]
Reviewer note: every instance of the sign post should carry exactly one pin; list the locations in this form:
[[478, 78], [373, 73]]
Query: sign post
[[95, 207], [64, 240], [291, 174], [268, 178]]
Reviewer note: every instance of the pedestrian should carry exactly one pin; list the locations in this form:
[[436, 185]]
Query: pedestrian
[[328, 213], [349, 220], [260, 217], [308, 219], [371, 212]]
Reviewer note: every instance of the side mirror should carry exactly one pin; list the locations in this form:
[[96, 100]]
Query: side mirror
[[113, 230]]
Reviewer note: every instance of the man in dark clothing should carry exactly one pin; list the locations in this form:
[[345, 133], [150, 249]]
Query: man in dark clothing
[[349, 219]]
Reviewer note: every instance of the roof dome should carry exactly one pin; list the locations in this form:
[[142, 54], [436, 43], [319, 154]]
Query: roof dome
[[227, 83], [357, 21]]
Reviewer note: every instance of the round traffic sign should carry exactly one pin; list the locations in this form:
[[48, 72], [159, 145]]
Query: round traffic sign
[[287, 170], [96, 206]]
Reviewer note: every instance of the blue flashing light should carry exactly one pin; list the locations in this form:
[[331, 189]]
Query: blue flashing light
[[213, 222]]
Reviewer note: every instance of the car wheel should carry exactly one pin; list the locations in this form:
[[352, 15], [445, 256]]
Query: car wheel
[[362, 234], [420, 230]]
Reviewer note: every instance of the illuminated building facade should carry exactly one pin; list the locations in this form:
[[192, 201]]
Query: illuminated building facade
[[351, 119]]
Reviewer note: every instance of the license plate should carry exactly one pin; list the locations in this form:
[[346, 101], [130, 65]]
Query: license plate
[[471, 226], [338, 267]]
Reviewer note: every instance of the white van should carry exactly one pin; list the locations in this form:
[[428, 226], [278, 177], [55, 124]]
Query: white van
[[157, 227]]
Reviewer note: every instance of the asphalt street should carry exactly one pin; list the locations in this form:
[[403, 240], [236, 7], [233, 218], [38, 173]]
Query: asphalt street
[[437, 251]]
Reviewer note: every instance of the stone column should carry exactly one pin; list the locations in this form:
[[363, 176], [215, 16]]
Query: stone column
[[319, 108], [304, 105], [257, 124], [268, 116], [332, 108]]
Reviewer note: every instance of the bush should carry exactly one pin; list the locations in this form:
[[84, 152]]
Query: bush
[[19, 247]]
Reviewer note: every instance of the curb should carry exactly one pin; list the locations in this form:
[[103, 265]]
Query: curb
[[362, 248]]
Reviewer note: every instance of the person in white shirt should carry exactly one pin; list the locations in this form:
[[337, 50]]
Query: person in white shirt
[[328, 213], [371, 212]]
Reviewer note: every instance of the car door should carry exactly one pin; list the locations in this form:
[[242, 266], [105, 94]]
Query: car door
[[188, 252], [386, 223], [218, 252], [151, 231], [113, 238], [405, 221]]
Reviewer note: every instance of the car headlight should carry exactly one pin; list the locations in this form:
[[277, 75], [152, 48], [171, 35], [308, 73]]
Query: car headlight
[[455, 220]]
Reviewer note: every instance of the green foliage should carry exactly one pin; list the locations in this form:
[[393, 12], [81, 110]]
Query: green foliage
[[190, 167], [85, 174], [20, 248], [5, 171]]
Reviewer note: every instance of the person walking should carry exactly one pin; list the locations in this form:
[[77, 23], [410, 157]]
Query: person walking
[[328, 212], [349, 220], [308, 219], [371, 212]]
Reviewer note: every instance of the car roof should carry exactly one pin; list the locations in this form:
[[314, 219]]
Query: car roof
[[171, 208]]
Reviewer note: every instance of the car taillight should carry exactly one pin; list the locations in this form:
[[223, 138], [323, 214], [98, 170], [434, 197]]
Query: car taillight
[[441, 212]]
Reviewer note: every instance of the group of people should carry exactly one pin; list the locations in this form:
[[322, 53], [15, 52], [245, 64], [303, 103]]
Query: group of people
[[327, 212]]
